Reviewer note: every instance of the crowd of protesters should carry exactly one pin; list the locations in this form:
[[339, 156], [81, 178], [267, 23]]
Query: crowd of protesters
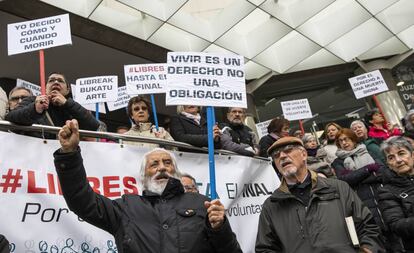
[[368, 166]]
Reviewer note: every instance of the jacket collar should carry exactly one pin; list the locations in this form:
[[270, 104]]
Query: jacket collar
[[173, 188], [202, 120], [318, 187]]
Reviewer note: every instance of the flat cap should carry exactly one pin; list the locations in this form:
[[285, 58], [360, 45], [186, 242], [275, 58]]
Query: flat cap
[[284, 141]]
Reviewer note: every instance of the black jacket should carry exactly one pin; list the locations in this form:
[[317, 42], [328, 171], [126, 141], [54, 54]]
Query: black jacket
[[173, 222], [187, 130], [397, 205], [240, 139], [4, 245], [265, 143], [25, 114], [287, 225]]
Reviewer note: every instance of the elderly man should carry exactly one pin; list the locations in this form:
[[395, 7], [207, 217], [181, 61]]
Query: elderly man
[[53, 109], [189, 183], [16, 96], [307, 213], [238, 137], [163, 219]]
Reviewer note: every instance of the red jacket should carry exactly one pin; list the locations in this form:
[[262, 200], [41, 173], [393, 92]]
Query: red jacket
[[383, 134]]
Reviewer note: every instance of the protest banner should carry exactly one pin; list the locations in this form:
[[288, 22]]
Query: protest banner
[[262, 128], [122, 100], [145, 78], [37, 218], [90, 107], [38, 34], [205, 79], [31, 86], [368, 84], [92, 90], [296, 109]]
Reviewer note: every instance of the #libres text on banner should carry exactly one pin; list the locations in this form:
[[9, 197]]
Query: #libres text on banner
[[37, 218], [205, 79], [296, 109], [38, 34], [97, 89], [122, 101], [368, 84], [145, 78]]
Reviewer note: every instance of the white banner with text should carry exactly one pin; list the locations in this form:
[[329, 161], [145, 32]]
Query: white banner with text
[[35, 218]]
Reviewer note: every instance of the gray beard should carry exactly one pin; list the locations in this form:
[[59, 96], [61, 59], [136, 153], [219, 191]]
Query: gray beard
[[152, 185]]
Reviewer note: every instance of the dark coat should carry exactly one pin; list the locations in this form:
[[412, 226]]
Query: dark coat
[[187, 130], [25, 114], [287, 225], [396, 201], [4, 245], [373, 147], [265, 143], [173, 222], [241, 139]]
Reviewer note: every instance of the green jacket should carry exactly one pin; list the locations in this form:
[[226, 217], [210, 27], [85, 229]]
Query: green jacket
[[287, 225], [374, 150]]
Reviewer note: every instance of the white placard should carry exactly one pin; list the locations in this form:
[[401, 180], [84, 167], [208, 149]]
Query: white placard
[[37, 216], [145, 78], [368, 84], [36, 90], [296, 109], [122, 101], [92, 90], [89, 107], [38, 34], [262, 128], [205, 79]]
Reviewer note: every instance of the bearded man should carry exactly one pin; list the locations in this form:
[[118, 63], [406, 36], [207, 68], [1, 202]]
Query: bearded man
[[163, 219]]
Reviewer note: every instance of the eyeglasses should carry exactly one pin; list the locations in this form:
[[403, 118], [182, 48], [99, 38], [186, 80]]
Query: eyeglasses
[[53, 80], [286, 149], [18, 98], [189, 187], [140, 108]]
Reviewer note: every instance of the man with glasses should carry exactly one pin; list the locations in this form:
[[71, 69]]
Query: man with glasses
[[54, 108], [238, 137], [189, 183], [308, 213], [16, 96]]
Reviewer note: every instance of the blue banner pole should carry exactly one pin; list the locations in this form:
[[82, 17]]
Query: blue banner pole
[[210, 125], [154, 111]]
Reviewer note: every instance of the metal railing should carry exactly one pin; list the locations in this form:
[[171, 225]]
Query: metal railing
[[6, 126]]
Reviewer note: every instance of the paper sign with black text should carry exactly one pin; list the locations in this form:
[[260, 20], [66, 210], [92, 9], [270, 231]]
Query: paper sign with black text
[[122, 101], [205, 79], [90, 107], [38, 34], [368, 84], [296, 109], [145, 78], [262, 128], [97, 89], [31, 86]]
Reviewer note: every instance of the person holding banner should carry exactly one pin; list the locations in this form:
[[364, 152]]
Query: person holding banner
[[277, 128], [190, 127], [378, 128], [308, 213], [53, 108], [139, 111], [163, 219]]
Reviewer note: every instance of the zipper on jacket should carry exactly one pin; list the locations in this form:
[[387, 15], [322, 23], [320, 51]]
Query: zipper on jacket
[[300, 223]]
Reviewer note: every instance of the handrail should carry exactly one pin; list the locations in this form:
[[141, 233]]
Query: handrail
[[6, 125]]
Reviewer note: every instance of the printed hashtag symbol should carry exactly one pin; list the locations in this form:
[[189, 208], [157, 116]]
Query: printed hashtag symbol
[[11, 181]]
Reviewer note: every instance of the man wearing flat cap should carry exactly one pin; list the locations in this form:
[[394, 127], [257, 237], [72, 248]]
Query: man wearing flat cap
[[308, 213]]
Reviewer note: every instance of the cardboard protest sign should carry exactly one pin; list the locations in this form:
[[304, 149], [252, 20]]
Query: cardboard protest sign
[[31, 86], [97, 89], [122, 101], [145, 78], [205, 79], [90, 107], [296, 109], [38, 34], [368, 84], [262, 128]]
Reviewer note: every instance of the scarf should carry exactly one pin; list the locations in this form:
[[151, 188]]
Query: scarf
[[356, 158], [196, 118]]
